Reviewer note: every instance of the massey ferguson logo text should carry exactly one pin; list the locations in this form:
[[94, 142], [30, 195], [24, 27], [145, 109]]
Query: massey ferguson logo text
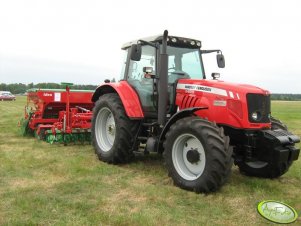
[[47, 94], [189, 88], [198, 88]]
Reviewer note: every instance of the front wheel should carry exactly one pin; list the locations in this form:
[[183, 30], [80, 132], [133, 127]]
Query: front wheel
[[197, 155], [113, 133], [277, 124]]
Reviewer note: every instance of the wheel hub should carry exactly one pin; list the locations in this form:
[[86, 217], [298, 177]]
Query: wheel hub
[[105, 129], [193, 156], [111, 130], [188, 156]]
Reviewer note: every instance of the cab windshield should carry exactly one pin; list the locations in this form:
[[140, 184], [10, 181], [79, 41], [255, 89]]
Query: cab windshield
[[184, 63]]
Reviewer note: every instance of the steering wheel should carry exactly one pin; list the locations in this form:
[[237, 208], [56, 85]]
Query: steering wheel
[[181, 73]]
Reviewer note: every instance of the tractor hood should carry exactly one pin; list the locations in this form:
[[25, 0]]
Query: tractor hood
[[219, 87], [228, 103]]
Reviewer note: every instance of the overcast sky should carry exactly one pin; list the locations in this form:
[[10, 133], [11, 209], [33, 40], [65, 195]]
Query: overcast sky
[[79, 41]]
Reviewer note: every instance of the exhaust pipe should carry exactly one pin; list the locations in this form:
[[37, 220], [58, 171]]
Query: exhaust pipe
[[163, 82]]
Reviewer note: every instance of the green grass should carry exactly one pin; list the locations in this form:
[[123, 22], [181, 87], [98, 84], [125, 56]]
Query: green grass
[[43, 184]]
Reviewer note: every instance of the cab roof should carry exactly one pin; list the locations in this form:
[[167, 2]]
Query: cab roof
[[171, 41]]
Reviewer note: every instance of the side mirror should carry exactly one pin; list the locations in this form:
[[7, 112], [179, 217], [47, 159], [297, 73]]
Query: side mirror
[[136, 52], [220, 60]]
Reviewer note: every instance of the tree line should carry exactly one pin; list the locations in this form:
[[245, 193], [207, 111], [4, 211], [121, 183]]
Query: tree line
[[20, 88], [279, 96]]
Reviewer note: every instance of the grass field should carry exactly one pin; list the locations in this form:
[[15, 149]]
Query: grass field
[[43, 184]]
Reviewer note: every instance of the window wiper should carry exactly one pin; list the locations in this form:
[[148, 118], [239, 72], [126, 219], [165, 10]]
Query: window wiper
[[211, 51], [148, 43]]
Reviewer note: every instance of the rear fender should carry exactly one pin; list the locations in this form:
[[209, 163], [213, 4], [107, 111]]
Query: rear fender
[[179, 115], [127, 94]]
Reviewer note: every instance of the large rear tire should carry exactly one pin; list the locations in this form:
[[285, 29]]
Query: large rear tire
[[266, 169], [197, 155], [113, 133]]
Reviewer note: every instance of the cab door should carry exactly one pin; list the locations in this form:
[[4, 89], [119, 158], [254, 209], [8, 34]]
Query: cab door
[[143, 86]]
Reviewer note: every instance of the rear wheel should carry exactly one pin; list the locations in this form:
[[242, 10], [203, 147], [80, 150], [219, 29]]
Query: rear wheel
[[24, 126], [197, 155], [42, 135], [113, 133], [266, 169]]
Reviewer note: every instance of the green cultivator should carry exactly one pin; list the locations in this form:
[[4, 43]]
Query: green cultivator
[[65, 138]]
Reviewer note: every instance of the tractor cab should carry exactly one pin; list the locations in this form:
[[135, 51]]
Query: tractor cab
[[142, 67]]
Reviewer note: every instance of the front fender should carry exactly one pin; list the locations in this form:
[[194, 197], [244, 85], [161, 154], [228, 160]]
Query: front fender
[[180, 114], [127, 94]]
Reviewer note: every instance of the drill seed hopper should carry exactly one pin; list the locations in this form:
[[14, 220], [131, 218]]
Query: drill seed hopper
[[58, 115]]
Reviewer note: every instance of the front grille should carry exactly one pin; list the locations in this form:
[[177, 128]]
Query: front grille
[[188, 101], [261, 104]]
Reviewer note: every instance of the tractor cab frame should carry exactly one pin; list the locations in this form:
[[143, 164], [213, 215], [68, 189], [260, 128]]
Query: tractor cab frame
[[146, 72]]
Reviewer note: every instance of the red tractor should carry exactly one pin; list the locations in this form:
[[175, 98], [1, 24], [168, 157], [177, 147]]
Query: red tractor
[[164, 103]]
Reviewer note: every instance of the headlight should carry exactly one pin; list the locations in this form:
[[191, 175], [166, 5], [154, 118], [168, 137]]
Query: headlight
[[256, 116]]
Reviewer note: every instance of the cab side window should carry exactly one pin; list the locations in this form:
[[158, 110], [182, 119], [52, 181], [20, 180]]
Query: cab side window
[[147, 60]]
